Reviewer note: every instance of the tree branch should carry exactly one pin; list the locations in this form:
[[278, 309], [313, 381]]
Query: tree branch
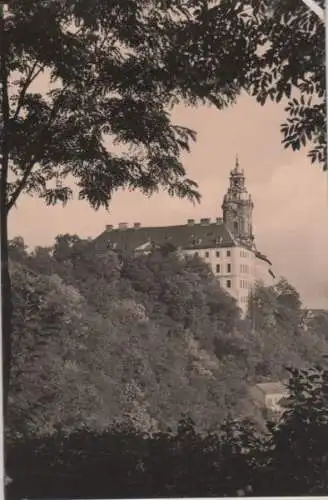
[[29, 79], [29, 166]]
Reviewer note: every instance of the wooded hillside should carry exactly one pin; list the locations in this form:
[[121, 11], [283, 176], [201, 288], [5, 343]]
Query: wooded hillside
[[101, 338]]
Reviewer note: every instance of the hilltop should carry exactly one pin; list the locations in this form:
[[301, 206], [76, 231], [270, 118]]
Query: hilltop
[[101, 338]]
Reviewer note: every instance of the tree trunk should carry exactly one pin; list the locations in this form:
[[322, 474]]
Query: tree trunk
[[6, 308]]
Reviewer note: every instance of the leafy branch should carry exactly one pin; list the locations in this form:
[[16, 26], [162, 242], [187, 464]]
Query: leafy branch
[[31, 76], [36, 146]]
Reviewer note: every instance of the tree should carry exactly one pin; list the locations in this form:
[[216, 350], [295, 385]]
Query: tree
[[162, 339], [134, 362], [282, 336], [52, 382], [291, 459], [296, 455], [151, 325], [317, 322], [115, 69], [291, 66]]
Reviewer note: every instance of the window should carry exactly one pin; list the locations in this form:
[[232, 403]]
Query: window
[[196, 253], [207, 254], [218, 254], [228, 283], [217, 268], [228, 268], [228, 253], [241, 284]]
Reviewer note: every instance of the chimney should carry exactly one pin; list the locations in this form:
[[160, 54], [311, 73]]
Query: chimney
[[191, 222], [123, 225], [136, 225], [109, 227], [204, 222]]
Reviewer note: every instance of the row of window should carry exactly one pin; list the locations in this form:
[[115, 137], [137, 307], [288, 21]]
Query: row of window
[[244, 284], [244, 268], [217, 253], [228, 253], [220, 268], [243, 299]]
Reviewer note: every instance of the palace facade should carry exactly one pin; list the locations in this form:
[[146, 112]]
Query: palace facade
[[226, 244]]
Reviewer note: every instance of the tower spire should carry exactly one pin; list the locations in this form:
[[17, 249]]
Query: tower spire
[[237, 162]]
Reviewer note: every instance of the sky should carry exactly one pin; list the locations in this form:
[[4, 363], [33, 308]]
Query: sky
[[290, 195]]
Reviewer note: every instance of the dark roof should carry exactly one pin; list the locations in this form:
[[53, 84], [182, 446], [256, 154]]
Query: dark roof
[[188, 236]]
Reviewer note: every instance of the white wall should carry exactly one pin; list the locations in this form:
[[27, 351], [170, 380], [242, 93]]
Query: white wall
[[246, 270], [242, 275]]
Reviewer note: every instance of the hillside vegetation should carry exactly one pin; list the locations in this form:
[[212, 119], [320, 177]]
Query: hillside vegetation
[[102, 338]]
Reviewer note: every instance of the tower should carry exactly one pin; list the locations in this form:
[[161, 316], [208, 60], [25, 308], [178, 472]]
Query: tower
[[237, 207]]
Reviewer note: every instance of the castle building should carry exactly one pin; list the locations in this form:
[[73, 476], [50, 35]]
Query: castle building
[[226, 244]]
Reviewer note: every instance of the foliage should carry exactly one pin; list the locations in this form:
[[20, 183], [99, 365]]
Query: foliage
[[316, 322], [277, 319], [111, 72], [291, 66], [296, 458], [106, 365], [140, 324], [116, 69], [50, 383], [236, 461], [149, 338], [125, 464]]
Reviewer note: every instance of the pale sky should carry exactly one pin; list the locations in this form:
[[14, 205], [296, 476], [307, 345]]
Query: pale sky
[[290, 195]]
